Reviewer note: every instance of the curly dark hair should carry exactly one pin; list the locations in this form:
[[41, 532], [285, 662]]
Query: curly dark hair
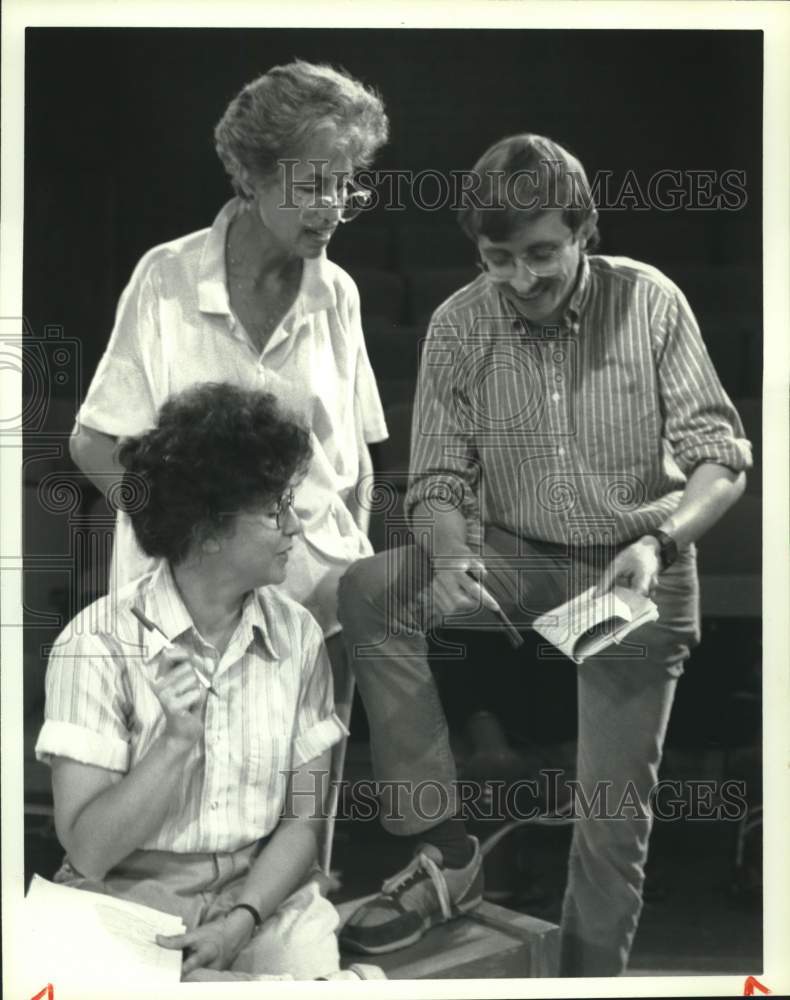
[[216, 450]]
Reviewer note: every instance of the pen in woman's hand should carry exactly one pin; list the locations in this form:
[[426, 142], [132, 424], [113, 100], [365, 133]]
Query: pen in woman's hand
[[153, 627]]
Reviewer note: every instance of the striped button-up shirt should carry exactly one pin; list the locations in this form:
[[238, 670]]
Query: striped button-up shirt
[[275, 708], [584, 433]]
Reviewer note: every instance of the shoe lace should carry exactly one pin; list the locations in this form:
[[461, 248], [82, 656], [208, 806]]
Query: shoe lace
[[419, 866]]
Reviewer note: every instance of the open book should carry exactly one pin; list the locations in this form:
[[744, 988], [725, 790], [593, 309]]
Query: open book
[[85, 943], [585, 625]]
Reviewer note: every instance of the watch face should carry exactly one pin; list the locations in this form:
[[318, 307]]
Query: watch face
[[669, 549]]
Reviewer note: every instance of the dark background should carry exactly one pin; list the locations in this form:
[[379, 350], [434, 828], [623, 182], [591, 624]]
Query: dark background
[[119, 157], [119, 150]]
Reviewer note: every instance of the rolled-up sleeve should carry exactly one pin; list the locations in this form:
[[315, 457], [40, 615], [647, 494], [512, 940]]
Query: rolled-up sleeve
[[700, 422], [84, 715], [367, 402], [120, 399], [317, 725], [443, 469]]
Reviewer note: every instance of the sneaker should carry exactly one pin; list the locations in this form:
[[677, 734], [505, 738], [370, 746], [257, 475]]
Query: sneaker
[[421, 896]]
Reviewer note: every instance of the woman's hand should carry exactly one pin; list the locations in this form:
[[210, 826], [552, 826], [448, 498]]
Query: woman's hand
[[181, 696], [214, 945], [101, 816]]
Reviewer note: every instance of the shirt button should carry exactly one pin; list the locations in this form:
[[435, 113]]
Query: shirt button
[[561, 452], [215, 805], [556, 397]]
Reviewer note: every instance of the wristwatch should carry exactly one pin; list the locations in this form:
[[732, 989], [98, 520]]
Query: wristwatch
[[667, 547]]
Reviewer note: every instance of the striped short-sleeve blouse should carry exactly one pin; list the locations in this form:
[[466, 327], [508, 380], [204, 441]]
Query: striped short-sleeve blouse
[[275, 708]]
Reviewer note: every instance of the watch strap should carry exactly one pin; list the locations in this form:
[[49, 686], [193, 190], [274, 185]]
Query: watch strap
[[667, 547]]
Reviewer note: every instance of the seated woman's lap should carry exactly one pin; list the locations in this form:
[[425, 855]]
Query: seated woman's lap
[[299, 938]]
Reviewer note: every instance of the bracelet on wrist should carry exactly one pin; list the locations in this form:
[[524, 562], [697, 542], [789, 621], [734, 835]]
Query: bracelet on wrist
[[256, 917]]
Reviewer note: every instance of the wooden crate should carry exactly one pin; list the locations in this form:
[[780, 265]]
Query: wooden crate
[[492, 942]]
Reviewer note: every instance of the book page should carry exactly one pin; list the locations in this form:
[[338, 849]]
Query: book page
[[585, 625], [84, 940], [564, 625]]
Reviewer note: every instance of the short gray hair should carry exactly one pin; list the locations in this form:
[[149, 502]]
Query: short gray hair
[[273, 116]]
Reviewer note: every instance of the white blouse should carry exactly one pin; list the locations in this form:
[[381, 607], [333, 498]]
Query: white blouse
[[174, 328]]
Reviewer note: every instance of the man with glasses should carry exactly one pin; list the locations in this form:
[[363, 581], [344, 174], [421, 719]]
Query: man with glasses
[[569, 430]]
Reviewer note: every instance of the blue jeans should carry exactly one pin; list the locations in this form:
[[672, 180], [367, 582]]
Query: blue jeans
[[625, 698]]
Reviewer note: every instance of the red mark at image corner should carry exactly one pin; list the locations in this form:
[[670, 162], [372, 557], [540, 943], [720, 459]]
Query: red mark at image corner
[[48, 993], [749, 986]]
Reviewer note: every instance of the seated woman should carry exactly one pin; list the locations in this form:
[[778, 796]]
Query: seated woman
[[203, 802]]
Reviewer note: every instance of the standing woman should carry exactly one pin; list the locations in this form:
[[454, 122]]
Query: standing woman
[[254, 301]]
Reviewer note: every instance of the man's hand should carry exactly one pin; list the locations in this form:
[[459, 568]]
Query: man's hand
[[214, 945], [181, 696], [636, 567], [457, 584]]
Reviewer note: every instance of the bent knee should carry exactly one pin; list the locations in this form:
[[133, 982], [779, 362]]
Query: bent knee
[[300, 938], [363, 585]]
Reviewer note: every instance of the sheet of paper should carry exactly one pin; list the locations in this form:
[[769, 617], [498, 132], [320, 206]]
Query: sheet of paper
[[86, 941]]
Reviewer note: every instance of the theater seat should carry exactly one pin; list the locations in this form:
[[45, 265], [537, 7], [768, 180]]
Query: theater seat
[[433, 246], [387, 520], [381, 293], [364, 244], [394, 349], [730, 553], [428, 287]]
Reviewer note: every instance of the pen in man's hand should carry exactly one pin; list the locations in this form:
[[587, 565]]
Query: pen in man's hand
[[513, 634], [153, 627]]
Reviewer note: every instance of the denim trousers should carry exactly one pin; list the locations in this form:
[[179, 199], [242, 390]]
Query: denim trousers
[[625, 696]]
